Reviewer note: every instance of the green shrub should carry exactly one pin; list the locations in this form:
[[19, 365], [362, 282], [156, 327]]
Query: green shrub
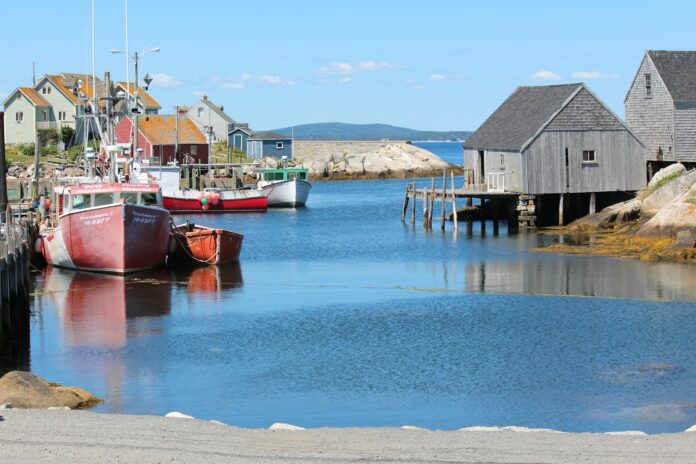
[[66, 135]]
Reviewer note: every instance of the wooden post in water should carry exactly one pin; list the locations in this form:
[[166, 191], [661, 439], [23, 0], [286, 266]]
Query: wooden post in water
[[403, 211], [454, 204], [413, 205], [425, 208], [560, 211], [593, 202], [444, 196], [432, 203]]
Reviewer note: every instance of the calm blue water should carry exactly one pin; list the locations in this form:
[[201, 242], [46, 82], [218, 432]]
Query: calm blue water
[[340, 315], [449, 151]]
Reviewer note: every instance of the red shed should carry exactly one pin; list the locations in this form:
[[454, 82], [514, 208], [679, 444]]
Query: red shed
[[157, 137]]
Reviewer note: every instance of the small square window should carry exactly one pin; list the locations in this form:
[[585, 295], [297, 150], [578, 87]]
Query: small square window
[[589, 156], [279, 145]]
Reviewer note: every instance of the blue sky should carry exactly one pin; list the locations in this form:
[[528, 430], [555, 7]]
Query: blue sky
[[438, 65]]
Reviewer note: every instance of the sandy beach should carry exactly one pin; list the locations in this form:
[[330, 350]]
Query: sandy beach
[[31, 436]]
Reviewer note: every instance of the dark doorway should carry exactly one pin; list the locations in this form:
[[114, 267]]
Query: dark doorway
[[482, 167], [567, 170]]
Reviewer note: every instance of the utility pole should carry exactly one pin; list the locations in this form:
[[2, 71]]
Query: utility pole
[[3, 178], [135, 111], [176, 143], [37, 166]]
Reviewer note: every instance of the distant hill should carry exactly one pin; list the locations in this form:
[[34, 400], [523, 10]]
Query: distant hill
[[344, 131]]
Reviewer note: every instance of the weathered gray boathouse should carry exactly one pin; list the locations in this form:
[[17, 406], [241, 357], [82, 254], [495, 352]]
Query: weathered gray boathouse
[[660, 107], [561, 148]]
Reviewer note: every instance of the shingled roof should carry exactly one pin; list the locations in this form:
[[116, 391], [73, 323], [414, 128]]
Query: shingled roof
[[678, 71], [147, 101], [268, 135], [160, 129], [218, 110], [521, 116]]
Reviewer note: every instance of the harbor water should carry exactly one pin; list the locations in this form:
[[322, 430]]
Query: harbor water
[[340, 315]]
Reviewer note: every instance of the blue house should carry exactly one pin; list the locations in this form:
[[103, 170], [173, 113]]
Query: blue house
[[238, 136], [259, 144]]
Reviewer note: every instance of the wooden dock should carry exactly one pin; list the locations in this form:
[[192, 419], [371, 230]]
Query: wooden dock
[[517, 208], [15, 251]]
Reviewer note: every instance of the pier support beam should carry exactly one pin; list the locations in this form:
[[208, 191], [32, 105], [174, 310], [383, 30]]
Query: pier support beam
[[560, 210], [593, 202]]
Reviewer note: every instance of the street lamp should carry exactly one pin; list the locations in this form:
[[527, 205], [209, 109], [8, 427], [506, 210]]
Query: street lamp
[[134, 111]]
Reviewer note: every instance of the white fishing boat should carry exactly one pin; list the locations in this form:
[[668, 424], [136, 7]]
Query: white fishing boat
[[284, 187]]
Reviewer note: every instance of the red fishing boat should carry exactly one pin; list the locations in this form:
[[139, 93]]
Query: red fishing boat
[[214, 200], [107, 227], [205, 245]]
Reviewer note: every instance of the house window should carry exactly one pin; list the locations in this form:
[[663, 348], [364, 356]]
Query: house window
[[48, 90], [19, 96], [502, 161], [648, 85], [194, 150], [61, 116], [279, 145], [44, 115], [43, 90], [200, 112], [19, 116], [589, 156]]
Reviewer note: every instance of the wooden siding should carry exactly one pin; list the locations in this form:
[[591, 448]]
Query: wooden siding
[[495, 161], [18, 133], [584, 112], [620, 164], [209, 118], [651, 118], [685, 131]]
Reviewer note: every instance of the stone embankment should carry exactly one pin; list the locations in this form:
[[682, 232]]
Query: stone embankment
[[659, 224], [336, 160]]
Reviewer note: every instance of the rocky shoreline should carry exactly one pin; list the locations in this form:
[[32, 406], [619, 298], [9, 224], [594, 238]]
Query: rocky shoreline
[[658, 225]]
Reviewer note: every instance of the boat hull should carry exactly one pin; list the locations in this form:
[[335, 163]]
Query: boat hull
[[230, 202], [287, 194], [206, 246], [117, 238]]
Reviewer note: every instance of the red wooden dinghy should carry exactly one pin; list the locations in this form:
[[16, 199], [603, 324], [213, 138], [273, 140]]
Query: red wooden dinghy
[[205, 245]]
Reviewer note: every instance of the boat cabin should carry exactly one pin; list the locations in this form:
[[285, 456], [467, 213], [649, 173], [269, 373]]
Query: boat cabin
[[77, 197], [282, 174]]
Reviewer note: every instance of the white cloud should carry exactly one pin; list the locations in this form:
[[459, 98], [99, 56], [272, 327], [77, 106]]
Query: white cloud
[[446, 77], [275, 80], [337, 69], [589, 75], [345, 80], [343, 70], [232, 83], [376, 66], [545, 76], [165, 81], [199, 93]]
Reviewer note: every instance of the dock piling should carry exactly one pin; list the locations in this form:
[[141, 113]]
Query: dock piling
[[432, 203], [454, 205], [443, 198], [403, 212], [413, 205]]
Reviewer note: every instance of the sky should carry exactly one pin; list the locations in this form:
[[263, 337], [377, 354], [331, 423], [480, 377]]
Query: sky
[[435, 65]]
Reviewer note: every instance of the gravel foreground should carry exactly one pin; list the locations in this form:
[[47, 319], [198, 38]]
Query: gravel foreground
[[38, 436]]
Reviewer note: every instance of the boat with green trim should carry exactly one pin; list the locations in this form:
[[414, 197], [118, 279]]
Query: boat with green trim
[[284, 187]]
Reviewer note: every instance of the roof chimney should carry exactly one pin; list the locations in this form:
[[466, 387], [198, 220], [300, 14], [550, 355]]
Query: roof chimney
[[205, 98], [222, 108]]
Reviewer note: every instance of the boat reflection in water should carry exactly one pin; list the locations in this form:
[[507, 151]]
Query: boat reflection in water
[[211, 280], [96, 308]]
